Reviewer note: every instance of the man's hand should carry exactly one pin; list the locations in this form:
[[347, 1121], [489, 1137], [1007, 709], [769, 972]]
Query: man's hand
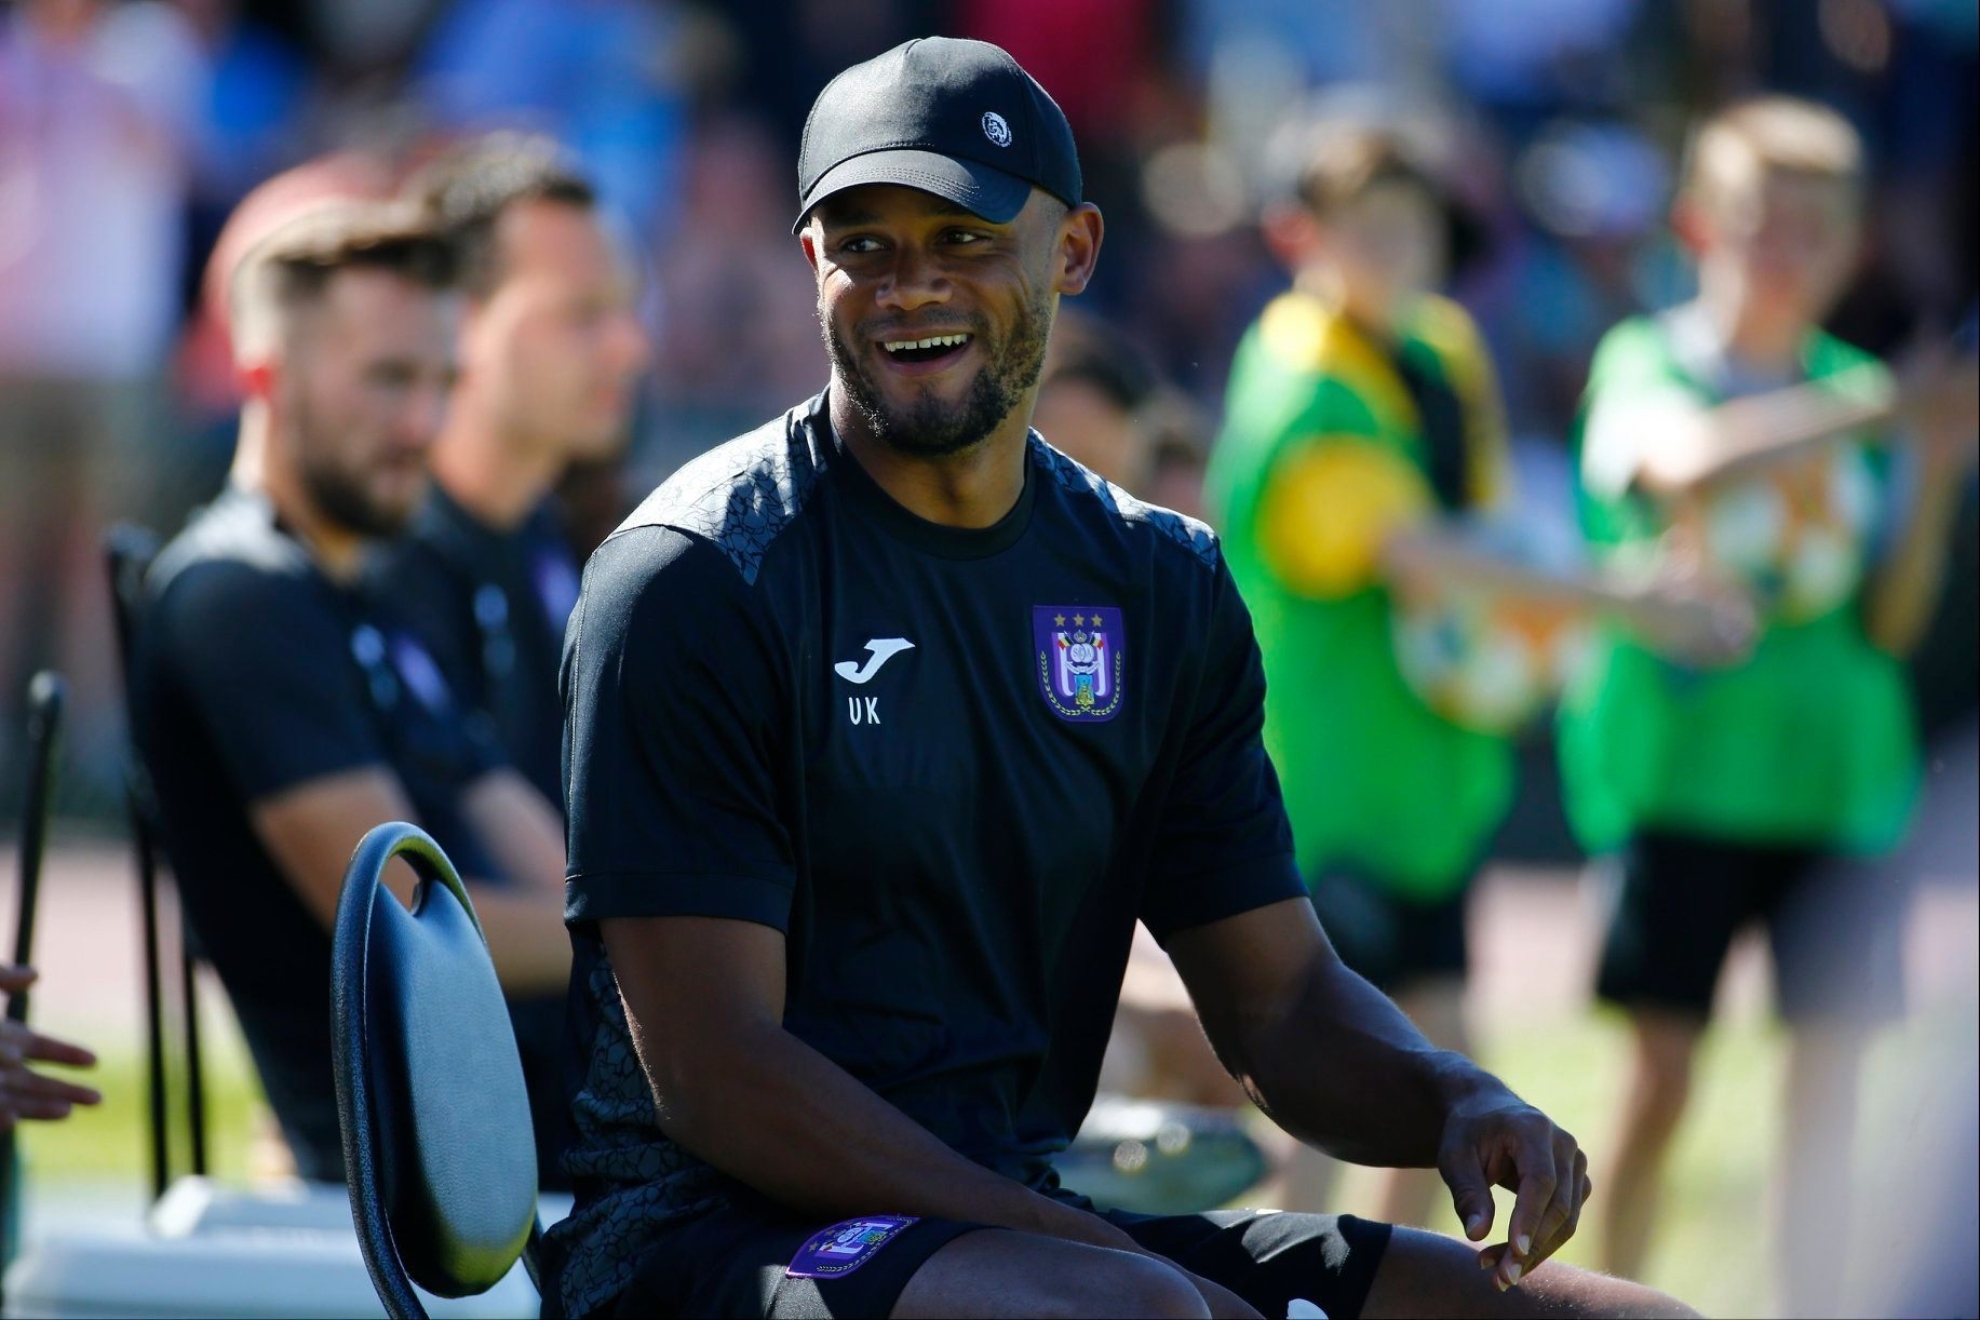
[[1499, 1140], [25, 1093]]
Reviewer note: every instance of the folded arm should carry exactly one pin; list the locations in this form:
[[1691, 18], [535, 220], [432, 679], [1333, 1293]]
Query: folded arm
[[311, 830]]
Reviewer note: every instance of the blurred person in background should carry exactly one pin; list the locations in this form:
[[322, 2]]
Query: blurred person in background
[[24, 1092], [279, 713], [603, 77], [1362, 452], [97, 104], [1090, 398], [737, 337], [1733, 441], [550, 349]]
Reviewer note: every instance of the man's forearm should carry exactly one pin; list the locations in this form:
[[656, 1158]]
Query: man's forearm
[[1343, 1069], [777, 1115], [1759, 430], [524, 929]]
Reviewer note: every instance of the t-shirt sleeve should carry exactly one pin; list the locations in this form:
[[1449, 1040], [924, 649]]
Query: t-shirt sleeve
[[677, 720], [1329, 505], [1223, 843], [268, 668]]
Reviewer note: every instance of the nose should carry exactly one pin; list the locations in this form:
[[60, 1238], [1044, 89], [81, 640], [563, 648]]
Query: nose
[[423, 416], [913, 280]]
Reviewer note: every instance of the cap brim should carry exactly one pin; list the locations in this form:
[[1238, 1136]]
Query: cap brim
[[984, 191]]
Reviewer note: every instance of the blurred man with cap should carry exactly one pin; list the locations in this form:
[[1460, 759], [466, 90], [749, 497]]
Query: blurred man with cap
[[885, 723]]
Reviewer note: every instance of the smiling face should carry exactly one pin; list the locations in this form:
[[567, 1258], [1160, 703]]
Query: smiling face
[[936, 319]]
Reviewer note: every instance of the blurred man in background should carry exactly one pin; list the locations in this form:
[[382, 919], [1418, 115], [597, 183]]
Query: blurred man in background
[[1732, 440], [1363, 446], [550, 347], [279, 713]]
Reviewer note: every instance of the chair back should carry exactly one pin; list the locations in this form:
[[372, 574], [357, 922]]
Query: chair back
[[438, 1146], [128, 551]]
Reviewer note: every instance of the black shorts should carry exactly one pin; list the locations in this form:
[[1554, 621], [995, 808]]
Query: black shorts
[[1392, 940], [1835, 927], [731, 1262]]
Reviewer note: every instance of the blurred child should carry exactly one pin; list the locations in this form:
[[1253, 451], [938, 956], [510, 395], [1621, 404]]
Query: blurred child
[[1732, 440], [1363, 444]]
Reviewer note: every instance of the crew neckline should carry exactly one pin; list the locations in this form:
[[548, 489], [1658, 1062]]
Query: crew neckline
[[931, 537]]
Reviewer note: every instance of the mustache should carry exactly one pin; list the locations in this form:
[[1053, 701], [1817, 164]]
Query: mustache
[[878, 329]]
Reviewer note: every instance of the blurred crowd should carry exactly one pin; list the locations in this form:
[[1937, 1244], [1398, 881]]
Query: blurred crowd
[[130, 130]]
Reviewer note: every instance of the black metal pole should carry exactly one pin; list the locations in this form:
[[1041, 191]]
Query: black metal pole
[[45, 697], [195, 1076]]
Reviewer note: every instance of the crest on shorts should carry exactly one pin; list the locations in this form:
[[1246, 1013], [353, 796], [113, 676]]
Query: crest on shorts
[[844, 1247], [1080, 660]]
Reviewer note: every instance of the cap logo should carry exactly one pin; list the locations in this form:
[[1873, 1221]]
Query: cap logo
[[996, 129]]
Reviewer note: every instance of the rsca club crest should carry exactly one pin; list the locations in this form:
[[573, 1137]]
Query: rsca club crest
[[1080, 662], [996, 129]]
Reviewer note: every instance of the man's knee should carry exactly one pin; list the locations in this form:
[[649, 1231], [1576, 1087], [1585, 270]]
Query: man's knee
[[997, 1272]]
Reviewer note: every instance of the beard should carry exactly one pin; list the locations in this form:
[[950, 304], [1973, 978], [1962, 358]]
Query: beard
[[931, 427], [337, 491]]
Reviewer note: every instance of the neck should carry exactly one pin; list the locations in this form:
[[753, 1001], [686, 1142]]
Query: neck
[[1753, 334], [1374, 318], [497, 478], [258, 469], [974, 488]]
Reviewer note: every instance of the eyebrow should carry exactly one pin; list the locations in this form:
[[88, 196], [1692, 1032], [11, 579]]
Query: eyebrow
[[843, 216]]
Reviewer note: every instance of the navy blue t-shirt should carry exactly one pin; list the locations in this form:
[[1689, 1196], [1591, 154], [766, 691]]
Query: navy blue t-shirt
[[491, 607], [254, 673], [953, 766]]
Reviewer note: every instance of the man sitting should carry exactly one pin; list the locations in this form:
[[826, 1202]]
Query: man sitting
[[281, 715]]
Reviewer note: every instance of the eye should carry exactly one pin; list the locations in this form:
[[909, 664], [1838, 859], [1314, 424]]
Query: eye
[[860, 245], [965, 236]]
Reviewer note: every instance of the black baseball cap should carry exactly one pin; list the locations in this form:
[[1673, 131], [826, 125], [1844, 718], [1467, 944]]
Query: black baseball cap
[[956, 118]]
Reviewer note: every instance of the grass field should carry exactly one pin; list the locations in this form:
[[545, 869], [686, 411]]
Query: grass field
[[1712, 1252]]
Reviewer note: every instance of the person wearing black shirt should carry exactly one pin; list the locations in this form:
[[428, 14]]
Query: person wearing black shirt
[[550, 347], [279, 712], [885, 723]]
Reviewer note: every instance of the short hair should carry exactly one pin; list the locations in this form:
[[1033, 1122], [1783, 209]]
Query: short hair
[[1348, 160], [293, 264], [1772, 134], [465, 193]]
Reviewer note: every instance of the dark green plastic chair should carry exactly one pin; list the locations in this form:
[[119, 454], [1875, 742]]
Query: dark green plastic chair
[[438, 1148]]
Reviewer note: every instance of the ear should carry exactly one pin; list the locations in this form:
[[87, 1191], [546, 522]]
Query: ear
[[256, 378], [1691, 224], [808, 240], [1080, 233], [1292, 233]]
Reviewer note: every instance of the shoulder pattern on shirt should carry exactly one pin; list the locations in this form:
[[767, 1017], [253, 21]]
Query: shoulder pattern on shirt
[[1191, 534], [742, 494]]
